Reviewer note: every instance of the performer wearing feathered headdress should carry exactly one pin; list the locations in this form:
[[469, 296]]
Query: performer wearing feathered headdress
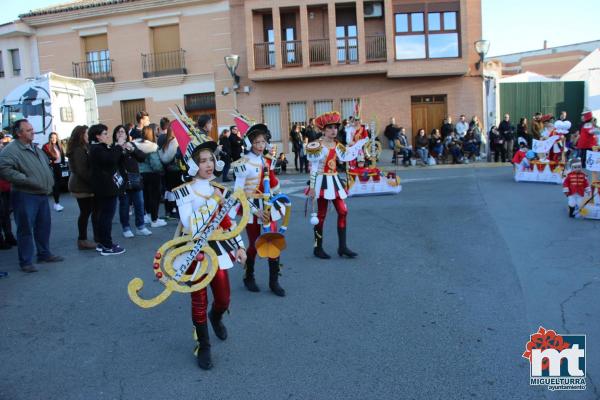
[[324, 182], [255, 174], [198, 202]]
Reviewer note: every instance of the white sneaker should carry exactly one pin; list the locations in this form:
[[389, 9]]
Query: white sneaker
[[147, 219], [158, 223], [127, 233], [58, 207], [143, 232]]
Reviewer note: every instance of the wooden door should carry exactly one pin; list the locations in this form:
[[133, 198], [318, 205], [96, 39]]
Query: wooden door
[[129, 108], [428, 112]]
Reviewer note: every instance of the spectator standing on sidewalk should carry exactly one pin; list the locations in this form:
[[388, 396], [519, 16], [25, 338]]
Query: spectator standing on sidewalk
[[142, 120], [80, 185], [523, 132], [236, 143], [132, 193], [296, 138], [462, 126], [151, 170], [447, 128], [107, 184], [392, 132], [171, 157], [537, 126], [507, 130], [56, 155], [25, 167], [225, 153], [7, 240]]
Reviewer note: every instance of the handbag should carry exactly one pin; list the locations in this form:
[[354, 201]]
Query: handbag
[[134, 181]]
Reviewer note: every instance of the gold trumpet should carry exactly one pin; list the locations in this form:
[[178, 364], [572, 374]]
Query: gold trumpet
[[195, 249]]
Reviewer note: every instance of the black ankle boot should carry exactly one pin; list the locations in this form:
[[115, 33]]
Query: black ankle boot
[[572, 212], [318, 250], [249, 281], [343, 250], [274, 278], [203, 351], [4, 245], [216, 320]]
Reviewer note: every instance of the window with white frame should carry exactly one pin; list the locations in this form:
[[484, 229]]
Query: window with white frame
[[350, 107], [271, 115], [323, 106], [297, 113]]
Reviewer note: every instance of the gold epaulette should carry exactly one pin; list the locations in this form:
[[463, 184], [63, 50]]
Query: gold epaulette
[[218, 185], [341, 147], [239, 162]]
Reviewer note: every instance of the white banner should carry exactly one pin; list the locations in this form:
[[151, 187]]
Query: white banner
[[544, 146], [592, 160]]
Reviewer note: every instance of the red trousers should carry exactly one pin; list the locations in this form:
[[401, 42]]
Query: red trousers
[[340, 207], [221, 294], [254, 231]]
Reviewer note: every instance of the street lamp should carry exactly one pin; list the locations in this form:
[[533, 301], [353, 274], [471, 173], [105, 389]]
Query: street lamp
[[481, 47], [232, 61]]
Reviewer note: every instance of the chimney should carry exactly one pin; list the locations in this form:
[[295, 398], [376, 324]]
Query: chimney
[[545, 44]]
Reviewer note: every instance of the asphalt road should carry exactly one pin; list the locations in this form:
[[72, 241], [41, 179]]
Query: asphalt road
[[454, 274]]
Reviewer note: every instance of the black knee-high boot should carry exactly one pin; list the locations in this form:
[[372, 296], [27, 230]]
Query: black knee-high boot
[[249, 281], [216, 320], [274, 278], [203, 351], [318, 250], [572, 212], [343, 249]]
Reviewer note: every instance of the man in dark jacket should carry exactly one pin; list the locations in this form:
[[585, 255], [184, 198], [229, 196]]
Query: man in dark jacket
[[391, 132], [236, 143], [25, 166], [142, 120], [507, 131], [225, 153], [447, 128], [310, 131]]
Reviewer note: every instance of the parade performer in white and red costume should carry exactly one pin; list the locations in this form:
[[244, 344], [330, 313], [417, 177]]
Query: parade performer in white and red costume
[[576, 186], [587, 137], [253, 172], [324, 182]]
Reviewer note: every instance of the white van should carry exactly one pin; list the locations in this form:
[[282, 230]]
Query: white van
[[51, 103]]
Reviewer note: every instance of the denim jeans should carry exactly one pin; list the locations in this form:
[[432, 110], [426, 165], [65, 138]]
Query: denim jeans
[[137, 198], [32, 215], [423, 154], [391, 143], [106, 207]]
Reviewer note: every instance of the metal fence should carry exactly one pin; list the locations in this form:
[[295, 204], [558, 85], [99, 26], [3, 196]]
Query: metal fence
[[164, 63]]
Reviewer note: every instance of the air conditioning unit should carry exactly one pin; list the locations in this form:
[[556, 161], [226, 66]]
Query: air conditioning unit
[[373, 9]]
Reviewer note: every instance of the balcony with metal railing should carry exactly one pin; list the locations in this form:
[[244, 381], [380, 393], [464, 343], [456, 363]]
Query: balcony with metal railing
[[319, 52], [291, 52], [100, 71], [164, 63], [347, 50], [375, 48], [264, 55]]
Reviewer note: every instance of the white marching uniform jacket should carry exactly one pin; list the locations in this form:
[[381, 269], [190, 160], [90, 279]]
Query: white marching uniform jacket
[[562, 127], [198, 204], [323, 169], [249, 176]]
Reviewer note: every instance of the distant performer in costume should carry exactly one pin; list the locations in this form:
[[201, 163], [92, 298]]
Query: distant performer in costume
[[255, 174], [576, 186], [324, 182], [587, 138]]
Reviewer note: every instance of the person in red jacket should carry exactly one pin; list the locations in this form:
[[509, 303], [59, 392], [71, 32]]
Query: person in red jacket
[[587, 139], [575, 186]]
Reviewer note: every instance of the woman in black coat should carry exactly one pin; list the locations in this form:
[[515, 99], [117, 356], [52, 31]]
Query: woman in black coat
[[296, 139], [236, 143], [107, 183]]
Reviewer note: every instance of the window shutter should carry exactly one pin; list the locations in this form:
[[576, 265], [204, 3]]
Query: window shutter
[[271, 114]]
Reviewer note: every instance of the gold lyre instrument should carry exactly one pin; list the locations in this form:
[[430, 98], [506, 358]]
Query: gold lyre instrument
[[196, 249]]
